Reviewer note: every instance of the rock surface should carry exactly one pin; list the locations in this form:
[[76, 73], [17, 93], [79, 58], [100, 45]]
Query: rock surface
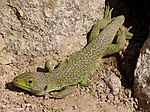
[[39, 27], [142, 76], [2, 43], [113, 82]]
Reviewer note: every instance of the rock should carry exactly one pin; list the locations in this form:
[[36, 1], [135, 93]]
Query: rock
[[2, 43], [6, 59], [142, 76], [38, 27], [113, 82]]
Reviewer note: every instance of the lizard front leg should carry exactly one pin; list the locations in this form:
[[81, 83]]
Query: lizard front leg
[[49, 66], [64, 92], [120, 42]]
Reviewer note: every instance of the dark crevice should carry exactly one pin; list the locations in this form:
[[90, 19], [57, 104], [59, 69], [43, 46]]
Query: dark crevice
[[16, 12], [137, 15]]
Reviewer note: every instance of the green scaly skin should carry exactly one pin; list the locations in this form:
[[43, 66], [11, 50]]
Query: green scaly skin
[[75, 69]]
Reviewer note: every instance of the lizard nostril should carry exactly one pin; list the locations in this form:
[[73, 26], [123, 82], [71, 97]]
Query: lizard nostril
[[45, 88]]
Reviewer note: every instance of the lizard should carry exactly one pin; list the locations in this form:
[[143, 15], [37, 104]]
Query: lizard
[[76, 69]]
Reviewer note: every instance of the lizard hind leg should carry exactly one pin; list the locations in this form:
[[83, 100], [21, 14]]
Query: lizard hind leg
[[123, 35], [107, 13], [100, 24], [120, 43]]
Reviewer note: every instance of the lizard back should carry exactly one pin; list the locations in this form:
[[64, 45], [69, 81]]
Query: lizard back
[[83, 62]]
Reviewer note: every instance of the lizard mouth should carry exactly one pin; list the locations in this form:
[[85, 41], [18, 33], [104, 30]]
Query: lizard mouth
[[21, 85]]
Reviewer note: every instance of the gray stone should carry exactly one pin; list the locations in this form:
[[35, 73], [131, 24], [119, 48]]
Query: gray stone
[[113, 82], [40, 27], [142, 76]]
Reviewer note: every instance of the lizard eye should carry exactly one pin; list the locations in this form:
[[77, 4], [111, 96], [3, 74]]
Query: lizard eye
[[30, 81]]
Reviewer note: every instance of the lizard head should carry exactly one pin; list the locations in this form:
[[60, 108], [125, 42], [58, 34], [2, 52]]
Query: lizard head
[[34, 82]]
